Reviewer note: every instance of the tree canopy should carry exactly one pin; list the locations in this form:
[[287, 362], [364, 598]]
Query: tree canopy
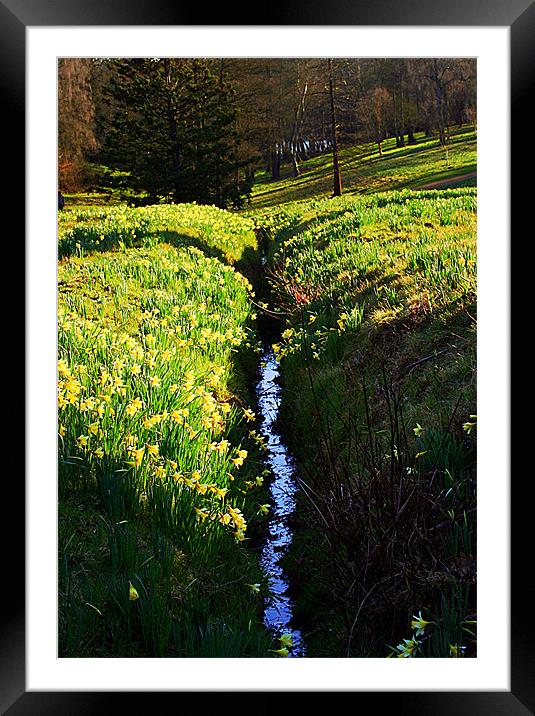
[[193, 129]]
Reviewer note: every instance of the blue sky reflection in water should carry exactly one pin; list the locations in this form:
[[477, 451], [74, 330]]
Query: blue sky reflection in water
[[279, 609]]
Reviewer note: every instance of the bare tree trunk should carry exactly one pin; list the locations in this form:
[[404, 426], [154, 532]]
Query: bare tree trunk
[[337, 179], [275, 164], [299, 115], [439, 97], [295, 166]]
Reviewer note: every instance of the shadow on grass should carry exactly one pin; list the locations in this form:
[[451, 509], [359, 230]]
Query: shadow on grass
[[364, 171], [182, 240], [112, 243]]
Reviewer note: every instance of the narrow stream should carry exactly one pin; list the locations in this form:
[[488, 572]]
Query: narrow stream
[[279, 609]]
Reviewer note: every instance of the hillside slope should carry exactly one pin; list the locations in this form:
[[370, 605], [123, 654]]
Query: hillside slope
[[364, 171], [377, 302]]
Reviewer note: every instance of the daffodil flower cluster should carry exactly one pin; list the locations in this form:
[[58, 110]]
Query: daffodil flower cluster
[[87, 230], [410, 648], [327, 266], [145, 341], [407, 648], [310, 339], [470, 424], [286, 643]]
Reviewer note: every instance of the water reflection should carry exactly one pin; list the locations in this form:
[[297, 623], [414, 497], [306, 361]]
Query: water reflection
[[279, 609]]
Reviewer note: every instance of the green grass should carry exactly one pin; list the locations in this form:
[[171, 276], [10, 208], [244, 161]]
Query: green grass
[[375, 293], [364, 171], [377, 297], [154, 445], [217, 232]]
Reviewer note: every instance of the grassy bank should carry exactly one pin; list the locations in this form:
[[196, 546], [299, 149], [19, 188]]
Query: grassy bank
[[372, 308], [377, 296], [159, 473], [363, 170]]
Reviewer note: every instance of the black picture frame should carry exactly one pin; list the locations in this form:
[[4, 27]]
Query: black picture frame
[[519, 16]]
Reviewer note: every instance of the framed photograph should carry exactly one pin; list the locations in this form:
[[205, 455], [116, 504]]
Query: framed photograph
[[45, 670]]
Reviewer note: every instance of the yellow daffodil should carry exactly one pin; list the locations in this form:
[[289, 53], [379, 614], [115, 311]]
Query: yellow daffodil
[[418, 430], [202, 514], [191, 431], [63, 368], [419, 624], [92, 429], [407, 648], [342, 321], [138, 456], [132, 592], [134, 406], [470, 425], [286, 640]]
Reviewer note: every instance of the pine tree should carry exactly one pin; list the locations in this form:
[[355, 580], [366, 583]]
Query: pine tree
[[173, 131]]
